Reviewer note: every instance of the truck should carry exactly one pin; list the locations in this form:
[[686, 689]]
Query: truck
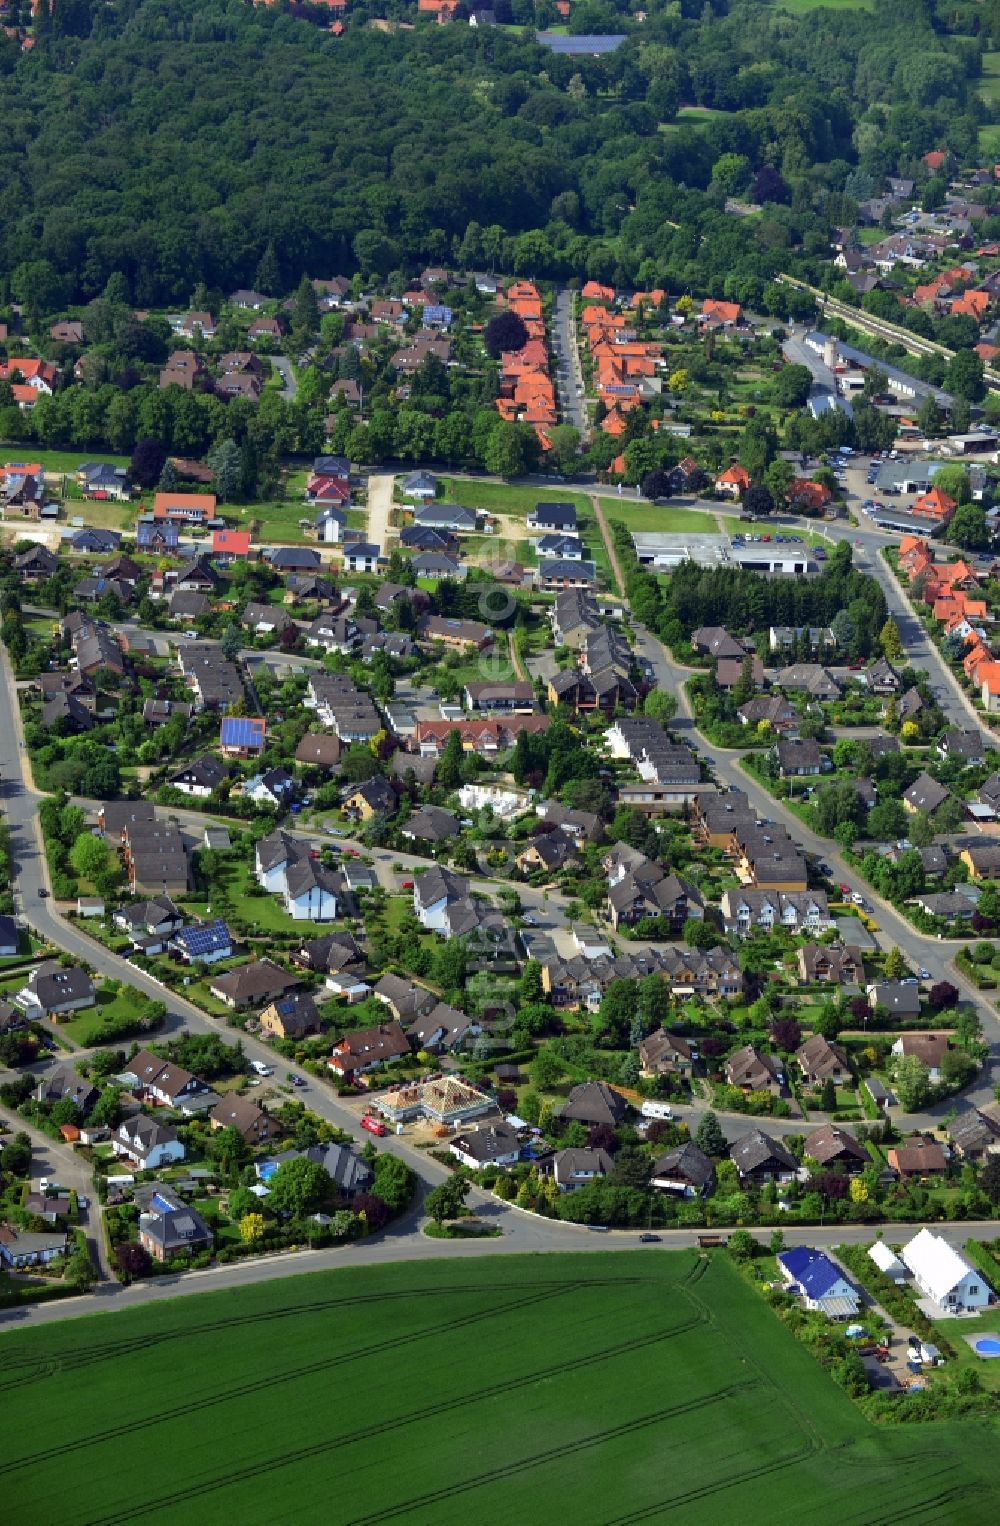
[[652, 1109], [260, 1069], [374, 1125]]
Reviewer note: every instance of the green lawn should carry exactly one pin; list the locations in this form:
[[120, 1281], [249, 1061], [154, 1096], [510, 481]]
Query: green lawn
[[989, 140], [109, 1009], [989, 86], [58, 460], [592, 1388], [651, 516], [498, 498], [800, 7]]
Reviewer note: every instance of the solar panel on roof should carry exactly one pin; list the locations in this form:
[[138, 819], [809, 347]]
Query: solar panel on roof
[[205, 940], [242, 731]]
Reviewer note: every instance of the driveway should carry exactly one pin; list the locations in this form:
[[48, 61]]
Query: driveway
[[283, 365], [380, 487]]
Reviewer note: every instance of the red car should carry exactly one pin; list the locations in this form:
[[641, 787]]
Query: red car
[[845, 889], [374, 1125], [406, 884]]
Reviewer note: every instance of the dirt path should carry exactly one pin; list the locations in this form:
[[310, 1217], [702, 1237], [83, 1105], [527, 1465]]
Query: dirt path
[[379, 508], [609, 544], [515, 658]]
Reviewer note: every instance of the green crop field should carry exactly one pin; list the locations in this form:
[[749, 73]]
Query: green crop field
[[594, 1388]]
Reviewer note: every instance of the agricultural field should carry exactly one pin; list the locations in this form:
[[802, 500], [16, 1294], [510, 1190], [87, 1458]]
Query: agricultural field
[[628, 1387]]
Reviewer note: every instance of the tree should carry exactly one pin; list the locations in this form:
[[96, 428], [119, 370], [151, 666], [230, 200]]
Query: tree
[[252, 1228], [305, 312], [132, 1259], [768, 185], [449, 769], [90, 857], [942, 996], [505, 332], [660, 706], [912, 1083], [506, 450], [791, 386], [80, 1273], [895, 964], [394, 1181], [757, 501], [226, 462], [742, 1245], [148, 459], [889, 640], [656, 484], [546, 1069], [989, 1179], [828, 1096], [786, 1034], [709, 1136], [373, 1213], [968, 528], [300, 1187], [964, 376], [447, 1200]]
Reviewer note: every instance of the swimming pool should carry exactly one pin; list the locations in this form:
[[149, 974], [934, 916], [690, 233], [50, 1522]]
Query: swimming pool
[[986, 1345]]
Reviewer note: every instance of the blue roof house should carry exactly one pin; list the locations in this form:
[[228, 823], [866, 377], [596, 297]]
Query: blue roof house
[[820, 1284]]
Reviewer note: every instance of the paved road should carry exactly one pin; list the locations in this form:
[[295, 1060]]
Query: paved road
[[60, 1163], [380, 487], [569, 372], [283, 366], [537, 1235], [921, 951]]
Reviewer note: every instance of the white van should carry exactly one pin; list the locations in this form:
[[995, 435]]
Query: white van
[[656, 1110], [260, 1069]]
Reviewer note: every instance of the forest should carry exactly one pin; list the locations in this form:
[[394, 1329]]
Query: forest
[[178, 142]]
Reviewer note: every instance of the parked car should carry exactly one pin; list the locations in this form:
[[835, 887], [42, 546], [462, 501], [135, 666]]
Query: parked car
[[374, 1125]]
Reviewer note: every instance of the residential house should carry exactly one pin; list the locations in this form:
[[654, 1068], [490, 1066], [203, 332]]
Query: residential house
[[799, 758], [759, 1158], [20, 1248], [594, 1102], [252, 984], [160, 1081], [168, 1227], [366, 1049], [240, 1113], [489, 1144], [822, 1286], [430, 824], [578, 1168], [557, 517], [982, 860], [374, 797], [925, 794], [54, 989], [291, 1017], [899, 999], [752, 1070], [203, 943], [830, 1146], [685, 1172], [200, 777], [918, 1157], [405, 1000], [66, 1083], [832, 963], [820, 1060], [242, 736], [929, 1048], [147, 1143], [943, 1274], [666, 1054]]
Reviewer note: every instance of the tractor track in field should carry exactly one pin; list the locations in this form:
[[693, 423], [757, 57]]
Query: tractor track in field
[[551, 1454], [85, 1357], [370, 1432]]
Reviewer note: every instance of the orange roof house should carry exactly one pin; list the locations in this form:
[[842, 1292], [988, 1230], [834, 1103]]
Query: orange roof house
[[720, 312], [593, 291], [935, 159], [650, 298], [988, 678], [934, 505], [194, 507], [971, 304], [734, 480], [977, 657], [810, 494], [987, 352], [617, 467], [613, 423], [914, 543]]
